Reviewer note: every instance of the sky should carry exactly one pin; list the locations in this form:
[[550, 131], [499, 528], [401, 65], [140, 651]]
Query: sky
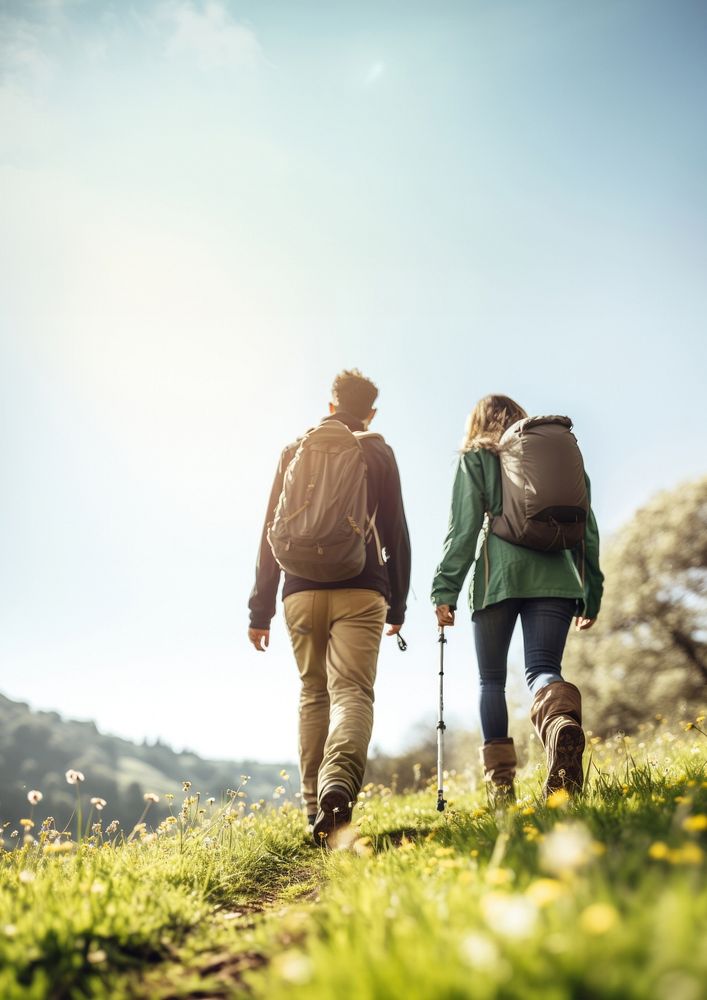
[[209, 208]]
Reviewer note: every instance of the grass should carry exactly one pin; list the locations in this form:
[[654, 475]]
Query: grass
[[604, 896]]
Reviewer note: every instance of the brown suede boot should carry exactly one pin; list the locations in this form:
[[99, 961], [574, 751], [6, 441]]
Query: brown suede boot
[[498, 758], [556, 714]]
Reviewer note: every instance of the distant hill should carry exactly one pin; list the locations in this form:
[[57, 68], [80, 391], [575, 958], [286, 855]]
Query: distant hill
[[37, 748]]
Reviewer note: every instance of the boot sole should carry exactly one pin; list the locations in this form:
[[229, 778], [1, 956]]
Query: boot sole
[[334, 812], [565, 767]]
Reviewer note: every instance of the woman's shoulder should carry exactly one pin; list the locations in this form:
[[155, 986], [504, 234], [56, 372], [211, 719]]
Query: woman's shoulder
[[482, 458]]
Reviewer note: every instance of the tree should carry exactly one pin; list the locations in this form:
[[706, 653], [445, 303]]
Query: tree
[[647, 653]]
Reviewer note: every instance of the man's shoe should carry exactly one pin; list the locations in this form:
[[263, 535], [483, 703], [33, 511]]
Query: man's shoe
[[335, 808]]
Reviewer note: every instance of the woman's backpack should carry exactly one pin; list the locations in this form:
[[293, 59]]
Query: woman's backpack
[[545, 502], [319, 527]]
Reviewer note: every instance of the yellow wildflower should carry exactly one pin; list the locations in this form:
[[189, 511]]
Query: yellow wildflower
[[499, 876], [559, 799], [695, 824], [544, 891], [598, 918], [690, 854]]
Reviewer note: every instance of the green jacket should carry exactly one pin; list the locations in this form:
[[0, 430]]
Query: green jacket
[[500, 569]]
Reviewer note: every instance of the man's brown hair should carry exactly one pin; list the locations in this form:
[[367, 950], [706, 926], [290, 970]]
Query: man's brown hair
[[354, 393]]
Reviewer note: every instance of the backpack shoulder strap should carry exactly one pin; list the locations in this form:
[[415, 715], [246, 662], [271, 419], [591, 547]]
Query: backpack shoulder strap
[[368, 436]]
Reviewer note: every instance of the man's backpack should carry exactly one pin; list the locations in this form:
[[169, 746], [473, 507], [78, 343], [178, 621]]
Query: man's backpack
[[545, 502], [319, 528]]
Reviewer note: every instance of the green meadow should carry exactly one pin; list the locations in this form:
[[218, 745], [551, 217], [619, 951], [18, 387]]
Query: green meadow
[[603, 896]]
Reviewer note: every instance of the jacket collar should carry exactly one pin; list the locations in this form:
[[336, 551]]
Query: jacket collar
[[353, 423]]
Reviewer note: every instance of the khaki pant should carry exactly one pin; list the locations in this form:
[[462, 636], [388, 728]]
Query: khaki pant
[[335, 636]]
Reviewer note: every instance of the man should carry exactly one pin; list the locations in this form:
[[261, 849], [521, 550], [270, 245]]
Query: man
[[336, 627]]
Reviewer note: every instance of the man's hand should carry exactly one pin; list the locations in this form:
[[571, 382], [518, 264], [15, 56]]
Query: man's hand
[[582, 624], [445, 615], [393, 629], [260, 638]]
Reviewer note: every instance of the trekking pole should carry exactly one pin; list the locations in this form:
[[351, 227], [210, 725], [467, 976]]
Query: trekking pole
[[441, 802]]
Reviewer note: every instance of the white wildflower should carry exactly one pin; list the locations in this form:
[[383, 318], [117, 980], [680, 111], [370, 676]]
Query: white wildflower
[[509, 916], [479, 951], [295, 967], [566, 849]]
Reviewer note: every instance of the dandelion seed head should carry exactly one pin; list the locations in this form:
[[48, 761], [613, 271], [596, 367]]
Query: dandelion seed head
[[479, 951], [295, 967], [74, 777], [510, 916], [34, 797], [151, 797], [566, 849]]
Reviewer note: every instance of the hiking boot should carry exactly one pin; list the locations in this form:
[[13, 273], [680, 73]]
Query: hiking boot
[[556, 714], [335, 808], [498, 758]]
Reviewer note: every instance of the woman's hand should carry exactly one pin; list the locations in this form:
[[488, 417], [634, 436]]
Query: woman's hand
[[445, 615], [582, 624]]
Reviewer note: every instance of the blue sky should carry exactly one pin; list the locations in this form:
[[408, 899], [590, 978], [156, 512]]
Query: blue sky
[[209, 208]]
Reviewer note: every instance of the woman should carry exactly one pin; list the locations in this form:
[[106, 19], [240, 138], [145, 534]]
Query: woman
[[546, 589]]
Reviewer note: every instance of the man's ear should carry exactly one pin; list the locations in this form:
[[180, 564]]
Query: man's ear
[[370, 417], [332, 408]]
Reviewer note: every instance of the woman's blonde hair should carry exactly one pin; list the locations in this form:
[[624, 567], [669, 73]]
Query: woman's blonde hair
[[487, 422]]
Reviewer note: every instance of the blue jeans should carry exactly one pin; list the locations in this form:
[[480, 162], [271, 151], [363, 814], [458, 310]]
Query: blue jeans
[[546, 622]]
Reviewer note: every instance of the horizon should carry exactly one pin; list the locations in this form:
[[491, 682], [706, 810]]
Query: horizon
[[212, 208]]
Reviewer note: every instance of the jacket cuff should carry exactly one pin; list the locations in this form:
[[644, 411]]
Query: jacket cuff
[[259, 623], [591, 608], [442, 598], [395, 617]]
